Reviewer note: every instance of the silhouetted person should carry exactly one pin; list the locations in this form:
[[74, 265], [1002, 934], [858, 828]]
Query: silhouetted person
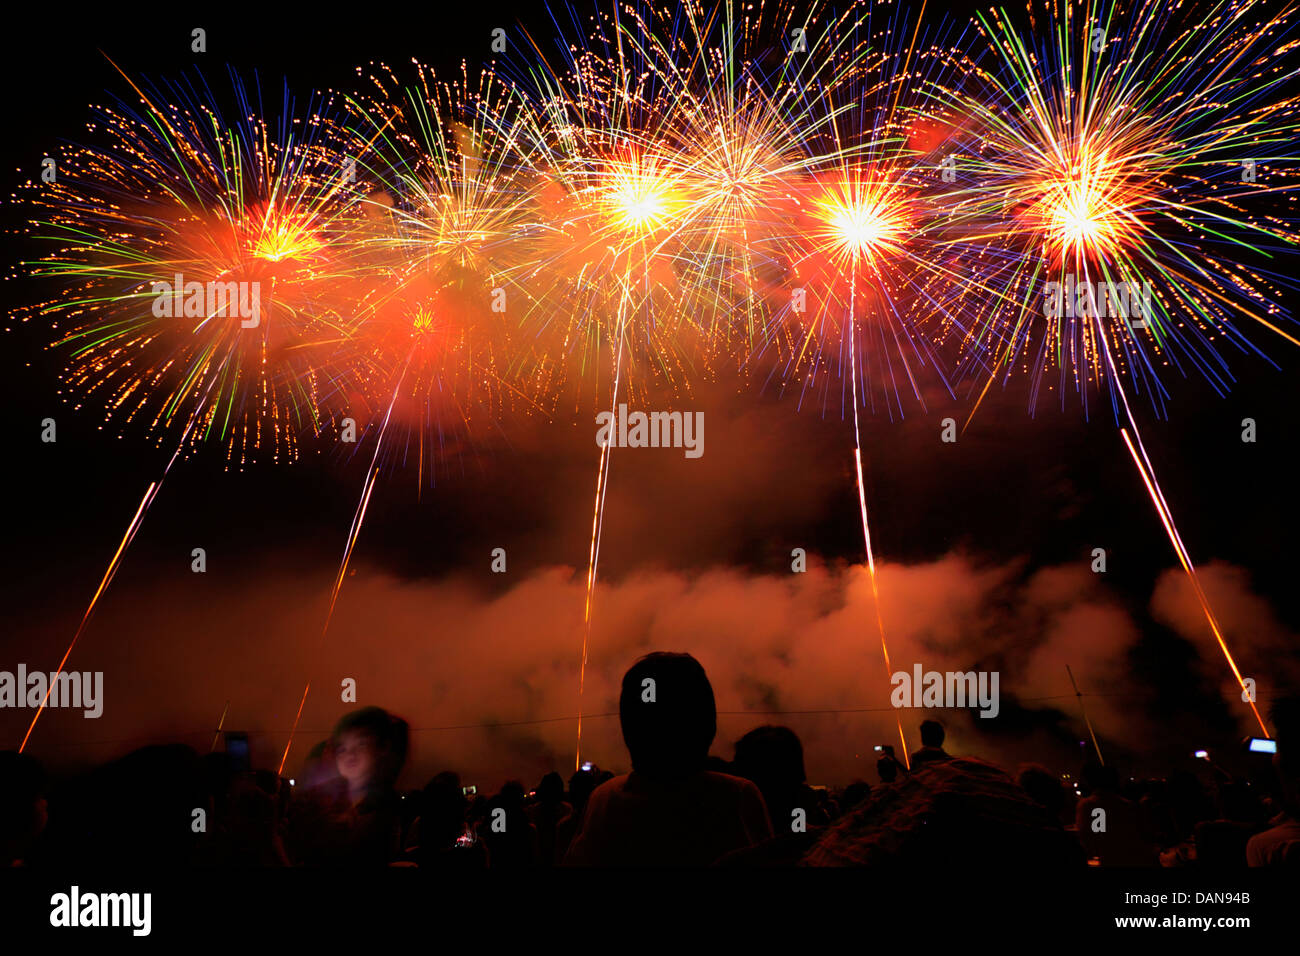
[[1045, 788], [887, 766], [138, 810], [772, 757], [931, 744], [669, 810], [1109, 825], [581, 786], [1279, 845], [549, 812], [508, 834], [441, 838]]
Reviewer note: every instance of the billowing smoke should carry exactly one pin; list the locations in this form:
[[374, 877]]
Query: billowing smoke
[[489, 682]]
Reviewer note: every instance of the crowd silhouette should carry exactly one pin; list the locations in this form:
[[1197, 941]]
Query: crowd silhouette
[[167, 806]]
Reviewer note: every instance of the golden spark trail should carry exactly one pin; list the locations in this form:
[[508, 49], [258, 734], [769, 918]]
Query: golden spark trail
[[149, 495], [216, 734], [1148, 474], [353, 533], [113, 565], [862, 496], [598, 524], [1153, 489]]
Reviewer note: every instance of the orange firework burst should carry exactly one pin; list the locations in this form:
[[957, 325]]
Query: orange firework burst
[[1117, 156], [197, 262], [862, 220]]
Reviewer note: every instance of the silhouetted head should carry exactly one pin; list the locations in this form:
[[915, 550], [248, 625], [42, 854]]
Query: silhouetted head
[[443, 786], [140, 806], [854, 794], [668, 715], [511, 796], [771, 757], [1095, 777], [931, 733], [551, 789], [580, 786], [887, 767], [1043, 787]]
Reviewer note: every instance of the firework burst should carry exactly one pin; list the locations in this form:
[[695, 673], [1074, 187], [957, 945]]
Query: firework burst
[[1133, 154], [1136, 158], [178, 191]]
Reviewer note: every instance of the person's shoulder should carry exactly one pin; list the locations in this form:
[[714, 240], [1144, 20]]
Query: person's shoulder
[[726, 781], [1261, 847], [1287, 831], [723, 779], [611, 787]]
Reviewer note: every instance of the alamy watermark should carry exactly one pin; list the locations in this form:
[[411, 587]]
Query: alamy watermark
[[1072, 299], [84, 689], [75, 908], [652, 430], [196, 300], [948, 689]]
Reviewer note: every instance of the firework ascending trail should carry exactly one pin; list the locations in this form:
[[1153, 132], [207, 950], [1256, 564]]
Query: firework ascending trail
[[1162, 508], [863, 222], [636, 205], [862, 506], [103, 585], [1140, 158], [593, 556], [357, 519]]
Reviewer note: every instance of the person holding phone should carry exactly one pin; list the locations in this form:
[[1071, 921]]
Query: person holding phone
[[1279, 845], [887, 765]]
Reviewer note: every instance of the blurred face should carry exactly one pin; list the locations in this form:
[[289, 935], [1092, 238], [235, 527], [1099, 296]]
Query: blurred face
[[354, 754]]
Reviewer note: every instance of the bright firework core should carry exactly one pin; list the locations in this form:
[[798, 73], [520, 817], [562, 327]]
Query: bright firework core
[[279, 237], [862, 220], [1081, 220], [639, 199], [1082, 212]]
